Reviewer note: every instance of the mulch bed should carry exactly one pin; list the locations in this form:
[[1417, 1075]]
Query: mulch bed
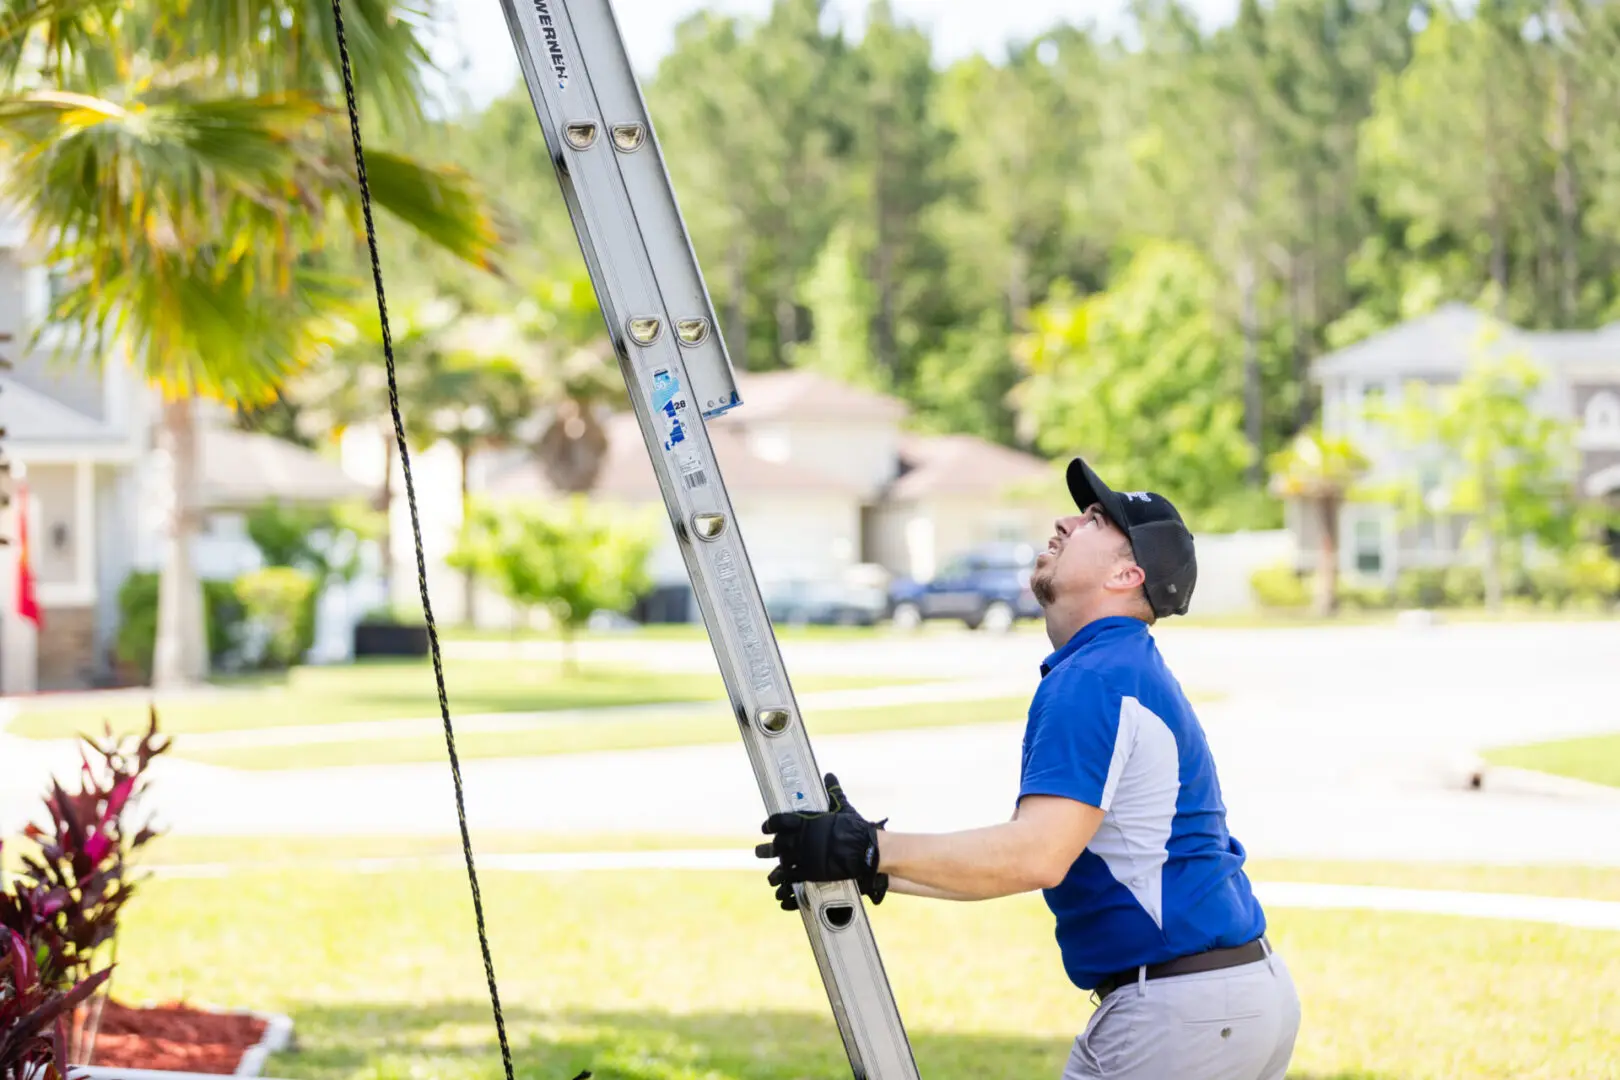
[[174, 1037]]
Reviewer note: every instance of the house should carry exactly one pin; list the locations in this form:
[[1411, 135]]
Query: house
[[823, 477], [80, 434], [1582, 385], [74, 432]]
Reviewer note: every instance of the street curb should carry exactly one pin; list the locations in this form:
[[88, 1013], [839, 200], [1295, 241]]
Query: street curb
[[1513, 780]]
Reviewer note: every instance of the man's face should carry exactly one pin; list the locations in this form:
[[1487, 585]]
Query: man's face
[[1086, 554]]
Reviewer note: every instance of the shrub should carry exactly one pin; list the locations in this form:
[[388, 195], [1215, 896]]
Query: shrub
[[1422, 587], [1594, 574], [33, 1034], [280, 606], [1358, 597], [63, 909], [1279, 587], [138, 612], [321, 540], [1586, 577], [1464, 586]]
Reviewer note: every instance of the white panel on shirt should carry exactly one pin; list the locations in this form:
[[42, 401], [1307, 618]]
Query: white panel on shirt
[[1139, 801]]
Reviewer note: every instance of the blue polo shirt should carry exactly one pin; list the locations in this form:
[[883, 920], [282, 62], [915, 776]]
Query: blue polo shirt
[[1110, 727]]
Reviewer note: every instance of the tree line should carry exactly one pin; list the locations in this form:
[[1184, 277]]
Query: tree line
[[1131, 246]]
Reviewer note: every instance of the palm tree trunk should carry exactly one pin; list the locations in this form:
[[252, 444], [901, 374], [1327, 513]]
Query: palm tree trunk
[[1327, 558], [180, 653]]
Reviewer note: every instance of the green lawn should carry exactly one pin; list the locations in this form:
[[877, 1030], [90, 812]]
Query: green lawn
[[402, 690], [1595, 759], [697, 976], [262, 852], [710, 725]]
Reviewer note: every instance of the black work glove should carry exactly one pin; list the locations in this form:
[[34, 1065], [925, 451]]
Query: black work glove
[[835, 844]]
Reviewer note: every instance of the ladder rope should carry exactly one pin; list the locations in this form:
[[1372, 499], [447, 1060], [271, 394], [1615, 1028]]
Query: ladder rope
[[416, 532]]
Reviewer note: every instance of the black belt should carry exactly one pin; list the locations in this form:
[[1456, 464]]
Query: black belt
[[1213, 960]]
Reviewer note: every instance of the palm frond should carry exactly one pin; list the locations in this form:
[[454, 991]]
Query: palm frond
[[153, 171], [203, 324], [191, 219], [77, 36], [291, 45], [441, 203]]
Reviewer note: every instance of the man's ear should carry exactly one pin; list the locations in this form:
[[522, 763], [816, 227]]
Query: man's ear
[[1128, 578]]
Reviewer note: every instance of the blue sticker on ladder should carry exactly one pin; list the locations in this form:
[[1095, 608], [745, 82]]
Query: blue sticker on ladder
[[667, 399]]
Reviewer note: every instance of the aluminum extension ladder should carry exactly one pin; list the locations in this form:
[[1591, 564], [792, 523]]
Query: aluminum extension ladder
[[678, 373]]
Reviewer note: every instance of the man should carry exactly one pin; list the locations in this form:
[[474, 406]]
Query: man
[[1119, 821]]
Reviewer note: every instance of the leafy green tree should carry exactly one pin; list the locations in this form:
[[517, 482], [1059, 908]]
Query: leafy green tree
[[1142, 379], [753, 115], [347, 389], [896, 174], [963, 385], [322, 541], [1320, 471], [1472, 167], [473, 388], [569, 558], [182, 164], [842, 304], [1488, 453]]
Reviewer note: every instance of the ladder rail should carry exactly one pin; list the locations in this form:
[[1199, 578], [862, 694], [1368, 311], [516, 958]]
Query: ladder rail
[[671, 353]]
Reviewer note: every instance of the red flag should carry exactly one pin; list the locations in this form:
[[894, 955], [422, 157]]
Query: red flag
[[27, 603]]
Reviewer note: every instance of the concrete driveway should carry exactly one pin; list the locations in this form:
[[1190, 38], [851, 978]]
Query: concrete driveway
[[1336, 743]]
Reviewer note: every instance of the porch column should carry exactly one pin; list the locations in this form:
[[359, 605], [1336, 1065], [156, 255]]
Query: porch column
[[19, 641]]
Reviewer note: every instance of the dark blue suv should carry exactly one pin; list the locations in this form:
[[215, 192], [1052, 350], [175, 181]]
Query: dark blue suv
[[984, 587]]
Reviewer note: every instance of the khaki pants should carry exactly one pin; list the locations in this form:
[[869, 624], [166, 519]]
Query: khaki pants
[[1236, 1024]]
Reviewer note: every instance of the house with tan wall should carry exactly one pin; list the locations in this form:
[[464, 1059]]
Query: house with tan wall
[[824, 478]]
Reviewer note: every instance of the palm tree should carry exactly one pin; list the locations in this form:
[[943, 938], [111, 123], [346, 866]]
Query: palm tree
[[472, 387], [183, 163], [1320, 471], [580, 380]]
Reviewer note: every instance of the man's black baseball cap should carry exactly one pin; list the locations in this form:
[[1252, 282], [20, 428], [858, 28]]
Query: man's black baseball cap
[[1160, 540]]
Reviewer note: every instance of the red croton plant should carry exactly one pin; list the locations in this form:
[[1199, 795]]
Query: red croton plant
[[59, 917]]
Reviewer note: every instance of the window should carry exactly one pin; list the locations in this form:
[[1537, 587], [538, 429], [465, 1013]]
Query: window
[[1369, 401], [1426, 534], [1603, 418], [1369, 546], [57, 285]]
